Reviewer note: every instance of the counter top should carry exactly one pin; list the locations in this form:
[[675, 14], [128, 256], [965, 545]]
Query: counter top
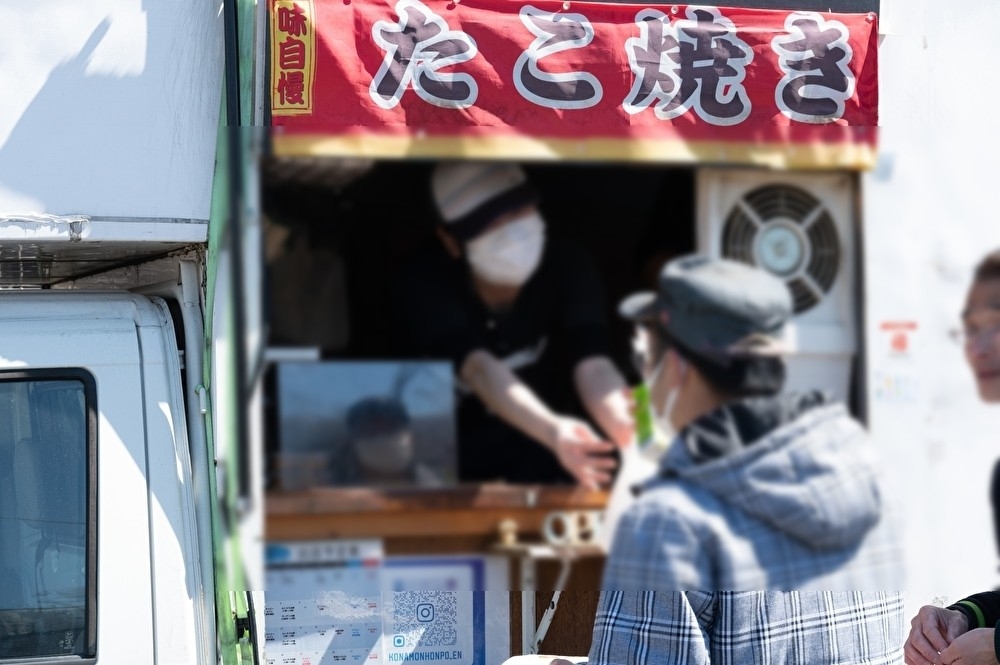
[[460, 497], [467, 515]]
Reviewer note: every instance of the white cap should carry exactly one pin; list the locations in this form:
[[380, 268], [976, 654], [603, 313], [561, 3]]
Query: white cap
[[459, 188]]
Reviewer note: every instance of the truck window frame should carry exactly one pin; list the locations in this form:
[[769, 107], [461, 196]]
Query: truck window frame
[[90, 603]]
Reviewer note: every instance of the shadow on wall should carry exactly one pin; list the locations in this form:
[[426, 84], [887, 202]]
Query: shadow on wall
[[84, 133]]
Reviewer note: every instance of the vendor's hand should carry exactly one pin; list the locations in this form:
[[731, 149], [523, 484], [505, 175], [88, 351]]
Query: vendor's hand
[[972, 648], [931, 631], [583, 453]]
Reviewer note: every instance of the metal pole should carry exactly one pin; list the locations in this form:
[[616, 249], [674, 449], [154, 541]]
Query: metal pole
[[528, 605], [550, 611], [235, 238]]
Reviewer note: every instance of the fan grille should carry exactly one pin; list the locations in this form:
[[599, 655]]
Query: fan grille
[[801, 214]]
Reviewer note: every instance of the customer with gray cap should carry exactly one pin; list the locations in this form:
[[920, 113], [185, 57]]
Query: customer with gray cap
[[757, 492]]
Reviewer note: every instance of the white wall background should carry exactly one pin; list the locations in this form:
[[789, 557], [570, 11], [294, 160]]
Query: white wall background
[[930, 210], [109, 108]]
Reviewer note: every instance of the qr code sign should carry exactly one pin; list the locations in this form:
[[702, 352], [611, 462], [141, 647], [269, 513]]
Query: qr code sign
[[424, 619]]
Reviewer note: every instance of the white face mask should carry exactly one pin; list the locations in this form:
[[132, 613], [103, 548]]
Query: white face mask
[[662, 416], [507, 256], [386, 454]]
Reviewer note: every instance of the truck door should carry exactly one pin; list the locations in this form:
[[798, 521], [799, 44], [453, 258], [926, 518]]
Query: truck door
[[74, 514]]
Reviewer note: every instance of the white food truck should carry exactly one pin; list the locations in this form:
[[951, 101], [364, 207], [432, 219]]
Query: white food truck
[[134, 445]]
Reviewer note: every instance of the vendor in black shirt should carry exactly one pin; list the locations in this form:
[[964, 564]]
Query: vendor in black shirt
[[522, 319]]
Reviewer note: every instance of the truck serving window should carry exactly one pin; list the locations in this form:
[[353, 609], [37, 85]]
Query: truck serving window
[[47, 514], [345, 241]]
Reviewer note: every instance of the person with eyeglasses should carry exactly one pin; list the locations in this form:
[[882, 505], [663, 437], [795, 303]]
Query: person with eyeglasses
[[966, 632], [980, 332]]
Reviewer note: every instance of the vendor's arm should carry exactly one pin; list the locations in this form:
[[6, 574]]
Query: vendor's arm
[[582, 316], [578, 448], [606, 395]]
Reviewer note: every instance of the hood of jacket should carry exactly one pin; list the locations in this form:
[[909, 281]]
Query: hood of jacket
[[798, 462]]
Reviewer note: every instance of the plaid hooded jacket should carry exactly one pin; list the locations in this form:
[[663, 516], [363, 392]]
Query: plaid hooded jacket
[[762, 540]]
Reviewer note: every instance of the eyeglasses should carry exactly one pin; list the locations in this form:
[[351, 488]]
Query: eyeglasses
[[970, 335]]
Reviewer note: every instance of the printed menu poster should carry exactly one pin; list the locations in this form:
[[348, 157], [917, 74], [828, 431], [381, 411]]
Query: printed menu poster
[[344, 602], [323, 603]]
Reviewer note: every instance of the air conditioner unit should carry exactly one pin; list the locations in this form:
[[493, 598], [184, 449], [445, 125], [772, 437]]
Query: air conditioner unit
[[800, 227]]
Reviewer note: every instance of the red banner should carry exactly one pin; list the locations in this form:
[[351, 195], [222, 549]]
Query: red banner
[[573, 79]]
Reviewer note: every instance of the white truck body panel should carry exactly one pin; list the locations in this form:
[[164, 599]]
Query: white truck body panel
[[151, 600], [108, 133], [110, 108]]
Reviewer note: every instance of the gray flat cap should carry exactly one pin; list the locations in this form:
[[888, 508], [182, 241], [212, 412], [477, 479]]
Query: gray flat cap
[[716, 308]]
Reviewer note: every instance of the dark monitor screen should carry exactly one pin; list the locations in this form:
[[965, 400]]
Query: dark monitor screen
[[366, 424]]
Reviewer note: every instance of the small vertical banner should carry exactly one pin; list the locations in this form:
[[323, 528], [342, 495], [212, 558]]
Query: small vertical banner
[[293, 57]]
